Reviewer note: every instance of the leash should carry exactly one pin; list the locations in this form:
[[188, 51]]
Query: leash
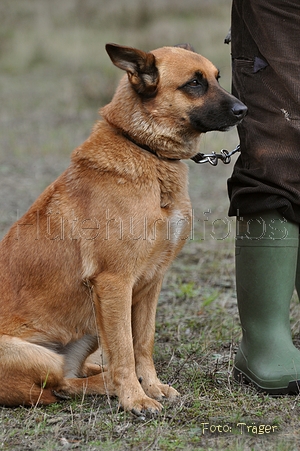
[[213, 158], [200, 158]]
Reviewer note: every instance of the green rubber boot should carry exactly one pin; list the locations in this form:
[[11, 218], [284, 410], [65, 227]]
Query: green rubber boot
[[266, 261], [298, 275]]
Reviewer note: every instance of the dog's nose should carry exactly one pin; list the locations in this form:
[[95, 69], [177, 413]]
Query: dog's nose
[[239, 110]]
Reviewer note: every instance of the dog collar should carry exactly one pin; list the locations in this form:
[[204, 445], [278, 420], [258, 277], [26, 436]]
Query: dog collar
[[142, 146], [145, 147], [199, 158]]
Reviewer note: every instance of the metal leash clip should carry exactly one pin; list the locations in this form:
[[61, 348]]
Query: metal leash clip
[[213, 158]]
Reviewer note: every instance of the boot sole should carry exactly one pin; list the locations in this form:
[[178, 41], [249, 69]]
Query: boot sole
[[293, 387]]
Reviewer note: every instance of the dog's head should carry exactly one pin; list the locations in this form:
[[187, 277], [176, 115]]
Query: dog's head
[[176, 91]]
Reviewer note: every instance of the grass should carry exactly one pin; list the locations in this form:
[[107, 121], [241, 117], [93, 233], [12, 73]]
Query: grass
[[54, 75]]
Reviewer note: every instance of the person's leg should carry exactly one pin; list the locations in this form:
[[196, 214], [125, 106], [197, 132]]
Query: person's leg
[[265, 76], [266, 179]]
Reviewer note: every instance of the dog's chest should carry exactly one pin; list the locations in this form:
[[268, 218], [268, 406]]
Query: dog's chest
[[172, 229], [178, 225], [165, 238]]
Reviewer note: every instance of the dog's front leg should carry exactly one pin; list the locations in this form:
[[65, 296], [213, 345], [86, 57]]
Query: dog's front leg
[[145, 300], [113, 301]]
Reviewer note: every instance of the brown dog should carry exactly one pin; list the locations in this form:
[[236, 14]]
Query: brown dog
[[84, 266]]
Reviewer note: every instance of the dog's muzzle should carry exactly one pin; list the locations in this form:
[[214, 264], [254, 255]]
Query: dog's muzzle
[[239, 110]]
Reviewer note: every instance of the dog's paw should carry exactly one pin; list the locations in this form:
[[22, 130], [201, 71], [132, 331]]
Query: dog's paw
[[91, 369], [146, 407], [161, 391], [141, 406], [169, 392]]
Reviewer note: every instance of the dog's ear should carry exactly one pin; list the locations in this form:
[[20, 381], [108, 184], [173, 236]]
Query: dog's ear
[[140, 67], [186, 47]]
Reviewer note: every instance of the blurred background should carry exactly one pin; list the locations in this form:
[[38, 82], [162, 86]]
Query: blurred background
[[55, 75]]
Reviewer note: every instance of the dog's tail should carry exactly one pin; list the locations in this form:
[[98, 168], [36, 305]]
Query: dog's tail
[[29, 373]]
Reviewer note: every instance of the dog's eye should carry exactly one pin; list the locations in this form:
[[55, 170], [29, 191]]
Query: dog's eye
[[194, 82], [196, 86]]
